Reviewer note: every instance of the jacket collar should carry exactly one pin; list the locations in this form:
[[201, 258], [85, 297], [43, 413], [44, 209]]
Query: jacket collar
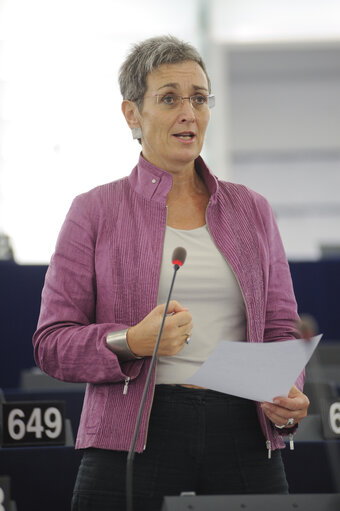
[[154, 183]]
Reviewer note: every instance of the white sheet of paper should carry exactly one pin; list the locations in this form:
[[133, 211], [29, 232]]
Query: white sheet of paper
[[258, 371]]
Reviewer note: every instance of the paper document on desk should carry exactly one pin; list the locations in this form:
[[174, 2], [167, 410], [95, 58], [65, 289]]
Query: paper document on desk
[[258, 371]]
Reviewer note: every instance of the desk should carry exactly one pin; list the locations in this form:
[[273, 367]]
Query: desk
[[308, 467], [42, 478]]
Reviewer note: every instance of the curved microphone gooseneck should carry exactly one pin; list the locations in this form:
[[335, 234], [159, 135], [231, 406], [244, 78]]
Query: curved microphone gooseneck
[[178, 258]]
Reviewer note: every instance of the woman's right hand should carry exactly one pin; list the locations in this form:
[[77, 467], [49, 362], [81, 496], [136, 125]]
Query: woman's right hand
[[142, 337]]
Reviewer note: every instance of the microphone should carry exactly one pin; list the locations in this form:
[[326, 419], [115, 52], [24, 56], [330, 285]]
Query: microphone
[[178, 259]]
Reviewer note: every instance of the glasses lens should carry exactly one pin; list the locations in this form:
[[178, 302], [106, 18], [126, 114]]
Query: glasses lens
[[173, 100], [168, 99], [199, 100]]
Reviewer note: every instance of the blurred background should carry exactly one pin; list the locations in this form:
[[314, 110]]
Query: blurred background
[[275, 71]]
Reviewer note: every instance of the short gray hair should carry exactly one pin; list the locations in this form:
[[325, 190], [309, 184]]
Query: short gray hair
[[149, 55]]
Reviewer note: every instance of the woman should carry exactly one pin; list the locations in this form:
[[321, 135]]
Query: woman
[[99, 317]]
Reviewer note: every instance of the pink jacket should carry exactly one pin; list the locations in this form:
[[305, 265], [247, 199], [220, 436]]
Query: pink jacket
[[104, 276]]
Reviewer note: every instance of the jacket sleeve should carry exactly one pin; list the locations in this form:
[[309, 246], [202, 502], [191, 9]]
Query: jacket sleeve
[[69, 344], [281, 315]]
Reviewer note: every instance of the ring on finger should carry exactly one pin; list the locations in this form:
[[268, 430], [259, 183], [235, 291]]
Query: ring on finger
[[289, 422], [188, 339]]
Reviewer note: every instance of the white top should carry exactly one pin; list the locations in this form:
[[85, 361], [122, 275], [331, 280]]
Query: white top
[[208, 287]]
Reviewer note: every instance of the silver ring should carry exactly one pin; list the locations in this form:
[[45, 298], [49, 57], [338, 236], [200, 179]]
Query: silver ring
[[188, 339], [289, 422], [280, 427]]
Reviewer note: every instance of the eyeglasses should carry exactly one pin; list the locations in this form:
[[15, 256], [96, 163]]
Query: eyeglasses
[[170, 101]]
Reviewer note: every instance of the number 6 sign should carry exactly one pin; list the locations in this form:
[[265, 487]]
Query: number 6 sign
[[331, 418], [334, 417]]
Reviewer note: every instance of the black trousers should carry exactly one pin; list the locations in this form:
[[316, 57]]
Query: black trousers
[[199, 440]]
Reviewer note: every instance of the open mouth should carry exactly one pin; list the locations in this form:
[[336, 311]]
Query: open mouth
[[185, 135]]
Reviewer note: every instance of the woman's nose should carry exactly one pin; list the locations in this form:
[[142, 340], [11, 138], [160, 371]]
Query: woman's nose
[[186, 110]]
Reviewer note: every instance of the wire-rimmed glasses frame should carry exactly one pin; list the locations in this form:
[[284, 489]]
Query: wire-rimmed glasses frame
[[195, 100]]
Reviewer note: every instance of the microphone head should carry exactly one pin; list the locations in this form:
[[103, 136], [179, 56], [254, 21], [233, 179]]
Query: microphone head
[[178, 256]]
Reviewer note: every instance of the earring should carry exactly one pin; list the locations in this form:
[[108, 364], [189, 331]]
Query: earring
[[136, 133]]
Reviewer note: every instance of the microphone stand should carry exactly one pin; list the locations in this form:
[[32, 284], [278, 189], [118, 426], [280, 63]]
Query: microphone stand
[[131, 454]]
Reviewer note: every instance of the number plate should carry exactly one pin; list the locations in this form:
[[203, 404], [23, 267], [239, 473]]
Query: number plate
[[331, 418], [30, 423]]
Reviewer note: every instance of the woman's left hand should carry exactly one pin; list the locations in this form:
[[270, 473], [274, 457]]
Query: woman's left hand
[[282, 409]]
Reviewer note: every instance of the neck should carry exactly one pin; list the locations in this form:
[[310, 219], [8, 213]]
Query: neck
[[186, 182]]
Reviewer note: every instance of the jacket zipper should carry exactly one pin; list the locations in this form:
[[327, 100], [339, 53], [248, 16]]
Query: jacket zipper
[[291, 441], [125, 391], [127, 380], [154, 385], [126, 385]]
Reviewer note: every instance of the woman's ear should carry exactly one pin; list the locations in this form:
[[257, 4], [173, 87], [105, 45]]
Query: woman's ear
[[131, 113]]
